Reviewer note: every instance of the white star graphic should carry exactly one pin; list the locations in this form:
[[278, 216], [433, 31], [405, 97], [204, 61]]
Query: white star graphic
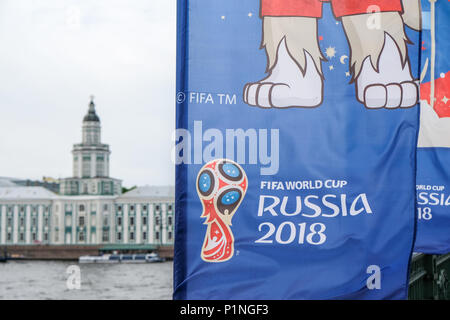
[[445, 99], [330, 52], [250, 14], [331, 67]]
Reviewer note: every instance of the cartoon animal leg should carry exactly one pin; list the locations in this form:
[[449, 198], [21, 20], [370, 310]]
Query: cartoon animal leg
[[379, 61], [294, 65], [412, 14]]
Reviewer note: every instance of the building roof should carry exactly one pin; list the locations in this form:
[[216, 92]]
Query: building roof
[[25, 193], [91, 115], [151, 192], [7, 182]]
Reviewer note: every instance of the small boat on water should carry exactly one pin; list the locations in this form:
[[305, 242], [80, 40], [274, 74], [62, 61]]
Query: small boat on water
[[122, 258]]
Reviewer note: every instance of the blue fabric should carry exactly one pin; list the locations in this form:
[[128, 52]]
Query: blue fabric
[[340, 153], [433, 173], [433, 198]]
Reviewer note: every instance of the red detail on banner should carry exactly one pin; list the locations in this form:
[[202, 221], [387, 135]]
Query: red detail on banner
[[441, 89], [222, 184], [221, 235], [351, 7], [313, 8], [244, 184], [423, 46]]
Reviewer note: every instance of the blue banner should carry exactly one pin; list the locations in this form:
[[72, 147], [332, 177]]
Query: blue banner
[[433, 155], [295, 149]]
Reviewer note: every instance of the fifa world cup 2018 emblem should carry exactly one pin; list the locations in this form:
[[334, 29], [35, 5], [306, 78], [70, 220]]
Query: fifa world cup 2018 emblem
[[221, 187]]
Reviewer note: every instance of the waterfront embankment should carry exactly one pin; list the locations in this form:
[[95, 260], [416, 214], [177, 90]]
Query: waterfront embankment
[[73, 252]]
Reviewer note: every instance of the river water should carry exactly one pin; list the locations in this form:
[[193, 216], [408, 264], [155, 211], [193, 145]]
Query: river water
[[55, 280]]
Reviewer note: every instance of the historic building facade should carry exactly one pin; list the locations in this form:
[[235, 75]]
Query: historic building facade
[[90, 208], [90, 162]]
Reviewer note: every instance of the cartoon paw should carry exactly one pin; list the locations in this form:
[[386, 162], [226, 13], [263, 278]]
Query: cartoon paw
[[278, 95], [392, 86], [286, 86], [391, 96]]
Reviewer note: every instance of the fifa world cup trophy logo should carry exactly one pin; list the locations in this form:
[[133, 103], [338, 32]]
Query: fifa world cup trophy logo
[[221, 187]]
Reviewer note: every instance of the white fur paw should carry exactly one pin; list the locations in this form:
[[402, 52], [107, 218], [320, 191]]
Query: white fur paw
[[279, 95], [392, 86], [286, 86], [391, 96]]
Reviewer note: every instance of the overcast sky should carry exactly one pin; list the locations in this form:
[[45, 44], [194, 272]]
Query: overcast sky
[[54, 54]]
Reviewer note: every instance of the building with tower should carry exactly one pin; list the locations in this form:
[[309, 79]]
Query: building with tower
[[91, 162], [90, 208]]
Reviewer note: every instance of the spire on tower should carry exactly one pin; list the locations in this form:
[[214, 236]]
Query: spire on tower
[[91, 115]]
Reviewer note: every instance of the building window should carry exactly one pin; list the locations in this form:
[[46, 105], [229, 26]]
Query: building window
[[107, 188], [81, 207], [21, 237], [144, 221], [119, 208], [8, 236], [9, 222], [99, 167], [157, 220], [131, 221], [158, 207], [105, 207], [22, 221], [86, 167], [119, 236], [81, 236], [33, 236], [105, 221], [46, 221], [131, 235], [169, 207], [21, 209], [131, 208], [81, 221], [33, 222], [45, 236], [169, 236], [169, 220], [75, 166], [157, 235], [119, 221], [144, 208], [144, 236], [68, 221], [56, 236], [105, 236]]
